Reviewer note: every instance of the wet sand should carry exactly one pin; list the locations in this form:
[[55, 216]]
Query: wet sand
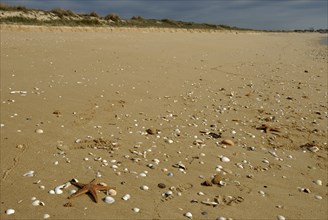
[[141, 107]]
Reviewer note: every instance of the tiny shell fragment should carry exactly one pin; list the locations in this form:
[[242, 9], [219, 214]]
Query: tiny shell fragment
[[10, 211]]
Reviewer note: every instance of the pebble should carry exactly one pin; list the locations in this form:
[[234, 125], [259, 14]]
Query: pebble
[[204, 213], [228, 142], [161, 185], [10, 211], [46, 216], [188, 215]]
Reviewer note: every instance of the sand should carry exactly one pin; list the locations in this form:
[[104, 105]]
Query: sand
[[95, 93]]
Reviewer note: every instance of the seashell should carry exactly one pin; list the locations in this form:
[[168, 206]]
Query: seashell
[[280, 217], [188, 215], [10, 211], [144, 187], [313, 149], [58, 191], [37, 203], [216, 179], [228, 142], [126, 197], [318, 182], [112, 192], [39, 131], [29, 173], [142, 174], [136, 209], [46, 216], [200, 193], [225, 159], [52, 192], [207, 202], [109, 199], [318, 197]]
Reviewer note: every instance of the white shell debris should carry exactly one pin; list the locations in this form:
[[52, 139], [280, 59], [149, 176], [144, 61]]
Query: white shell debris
[[225, 159], [318, 197], [112, 192], [39, 131], [280, 217], [144, 187], [318, 182], [37, 202], [188, 215], [126, 197], [109, 199], [313, 149], [136, 209], [59, 189], [46, 216], [10, 211], [29, 173]]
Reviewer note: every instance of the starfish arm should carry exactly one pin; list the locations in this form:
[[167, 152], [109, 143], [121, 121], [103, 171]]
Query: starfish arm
[[93, 192], [78, 193]]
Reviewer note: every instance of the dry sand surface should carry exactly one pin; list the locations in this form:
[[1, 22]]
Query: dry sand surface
[[138, 108]]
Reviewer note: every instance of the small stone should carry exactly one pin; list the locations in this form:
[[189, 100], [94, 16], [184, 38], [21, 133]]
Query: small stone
[[318, 182], [46, 216], [318, 197], [207, 183], [204, 213], [216, 180], [228, 142], [161, 185], [144, 187]]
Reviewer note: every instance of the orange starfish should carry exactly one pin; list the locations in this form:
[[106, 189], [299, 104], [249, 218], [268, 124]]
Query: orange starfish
[[91, 188]]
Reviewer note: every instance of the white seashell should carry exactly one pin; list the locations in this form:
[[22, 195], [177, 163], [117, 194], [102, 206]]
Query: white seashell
[[136, 209], [72, 191], [280, 217], [188, 215], [126, 197], [318, 197], [225, 159], [52, 192], [313, 149], [37, 203], [109, 199], [29, 173], [46, 216], [58, 191], [318, 182], [112, 192], [156, 161], [144, 187], [221, 218], [10, 211], [142, 174], [200, 193], [39, 131]]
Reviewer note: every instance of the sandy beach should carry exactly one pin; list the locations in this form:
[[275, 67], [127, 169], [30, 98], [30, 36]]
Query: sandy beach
[[157, 114]]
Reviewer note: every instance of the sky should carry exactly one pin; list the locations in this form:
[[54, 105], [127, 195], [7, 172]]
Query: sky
[[256, 14]]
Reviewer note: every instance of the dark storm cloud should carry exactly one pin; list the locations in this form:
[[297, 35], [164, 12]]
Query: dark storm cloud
[[260, 14]]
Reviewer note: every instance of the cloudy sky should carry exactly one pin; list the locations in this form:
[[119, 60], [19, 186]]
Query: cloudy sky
[[258, 14]]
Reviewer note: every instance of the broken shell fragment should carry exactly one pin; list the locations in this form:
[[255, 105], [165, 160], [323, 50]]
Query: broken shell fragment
[[29, 173], [126, 197], [39, 131], [188, 215], [112, 192], [136, 209], [225, 159]]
